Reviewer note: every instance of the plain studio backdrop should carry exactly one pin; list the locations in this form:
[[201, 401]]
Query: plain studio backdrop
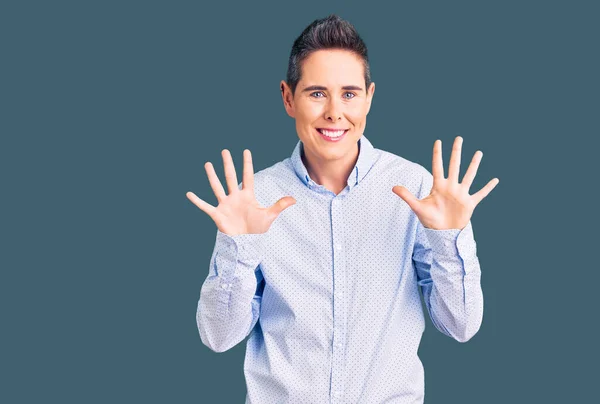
[[109, 111]]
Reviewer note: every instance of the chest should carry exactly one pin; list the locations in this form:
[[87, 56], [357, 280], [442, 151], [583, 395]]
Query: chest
[[319, 246]]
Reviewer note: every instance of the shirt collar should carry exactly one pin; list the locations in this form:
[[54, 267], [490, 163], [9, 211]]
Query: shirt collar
[[367, 156]]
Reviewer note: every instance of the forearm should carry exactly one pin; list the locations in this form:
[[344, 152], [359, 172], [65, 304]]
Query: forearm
[[454, 296], [228, 308]]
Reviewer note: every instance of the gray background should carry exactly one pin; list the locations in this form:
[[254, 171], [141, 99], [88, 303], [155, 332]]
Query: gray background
[[109, 111]]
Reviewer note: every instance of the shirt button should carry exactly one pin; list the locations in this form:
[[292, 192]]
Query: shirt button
[[224, 286], [338, 247], [339, 345], [337, 394]]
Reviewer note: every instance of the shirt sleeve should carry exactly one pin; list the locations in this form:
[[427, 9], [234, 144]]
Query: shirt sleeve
[[449, 276], [229, 303]]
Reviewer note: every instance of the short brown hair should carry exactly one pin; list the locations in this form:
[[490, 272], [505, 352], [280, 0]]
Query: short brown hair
[[331, 32]]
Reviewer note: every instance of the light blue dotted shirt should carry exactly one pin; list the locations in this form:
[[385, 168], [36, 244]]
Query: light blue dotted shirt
[[330, 294]]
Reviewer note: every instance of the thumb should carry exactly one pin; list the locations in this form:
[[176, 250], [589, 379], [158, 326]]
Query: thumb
[[281, 205], [406, 195]]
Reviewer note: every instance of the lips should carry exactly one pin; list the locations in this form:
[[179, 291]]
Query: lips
[[332, 136], [331, 129]]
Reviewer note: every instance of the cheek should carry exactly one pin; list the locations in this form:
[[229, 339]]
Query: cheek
[[303, 113], [313, 111], [357, 117]]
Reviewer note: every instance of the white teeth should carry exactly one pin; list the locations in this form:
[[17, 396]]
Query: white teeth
[[332, 134]]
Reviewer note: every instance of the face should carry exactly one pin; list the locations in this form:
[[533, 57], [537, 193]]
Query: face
[[331, 94]]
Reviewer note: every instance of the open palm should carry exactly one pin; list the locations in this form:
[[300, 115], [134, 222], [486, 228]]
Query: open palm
[[449, 205], [239, 212]]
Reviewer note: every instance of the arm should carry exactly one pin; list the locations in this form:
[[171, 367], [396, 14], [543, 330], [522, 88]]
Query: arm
[[444, 254], [449, 275], [230, 296]]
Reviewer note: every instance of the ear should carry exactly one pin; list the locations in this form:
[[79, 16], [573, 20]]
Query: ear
[[288, 99], [370, 94]]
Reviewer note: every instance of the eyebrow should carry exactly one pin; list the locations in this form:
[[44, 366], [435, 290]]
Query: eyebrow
[[321, 88]]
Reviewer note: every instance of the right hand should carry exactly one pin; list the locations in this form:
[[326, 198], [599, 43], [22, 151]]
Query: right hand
[[239, 212]]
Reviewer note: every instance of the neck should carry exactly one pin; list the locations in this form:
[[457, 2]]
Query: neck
[[332, 174]]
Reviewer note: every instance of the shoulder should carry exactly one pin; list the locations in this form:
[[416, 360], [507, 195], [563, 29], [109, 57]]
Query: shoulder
[[274, 182], [402, 171], [401, 166], [277, 174]]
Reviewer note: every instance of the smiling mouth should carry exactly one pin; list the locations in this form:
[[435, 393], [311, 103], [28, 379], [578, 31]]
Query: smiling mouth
[[333, 134]]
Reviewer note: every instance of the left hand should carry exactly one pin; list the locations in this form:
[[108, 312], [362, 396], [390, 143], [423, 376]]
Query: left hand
[[449, 205]]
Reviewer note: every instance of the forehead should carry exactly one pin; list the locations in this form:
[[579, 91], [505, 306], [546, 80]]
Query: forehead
[[332, 66]]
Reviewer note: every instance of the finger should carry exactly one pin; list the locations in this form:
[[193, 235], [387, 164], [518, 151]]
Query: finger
[[205, 207], [215, 184], [230, 175], [472, 170], [248, 175], [454, 166], [281, 205], [407, 196], [483, 192], [437, 165]]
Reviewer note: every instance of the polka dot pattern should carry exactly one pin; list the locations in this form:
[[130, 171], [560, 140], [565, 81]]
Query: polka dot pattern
[[330, 294]]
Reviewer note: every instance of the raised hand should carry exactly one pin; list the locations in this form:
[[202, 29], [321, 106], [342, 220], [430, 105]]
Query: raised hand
[[449, 205], [239, 212]]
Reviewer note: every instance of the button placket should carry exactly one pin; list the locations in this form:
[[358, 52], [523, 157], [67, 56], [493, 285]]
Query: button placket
[[339, 300]]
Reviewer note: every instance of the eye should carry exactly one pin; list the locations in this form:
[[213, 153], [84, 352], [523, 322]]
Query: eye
[[345, 94]]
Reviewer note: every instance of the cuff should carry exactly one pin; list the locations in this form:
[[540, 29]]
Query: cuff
[[452, 242], [245, 249]]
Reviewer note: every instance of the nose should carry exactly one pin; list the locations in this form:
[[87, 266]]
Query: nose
[[333, 112]]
